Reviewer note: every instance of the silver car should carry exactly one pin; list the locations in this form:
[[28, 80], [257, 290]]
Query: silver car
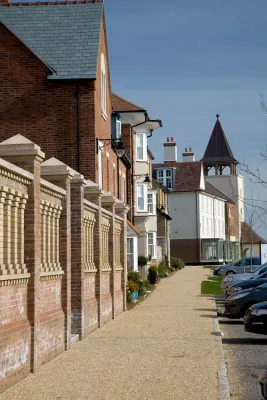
[[240, 266], [233, 278]]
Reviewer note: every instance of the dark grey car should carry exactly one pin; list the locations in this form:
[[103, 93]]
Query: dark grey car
[[239, 267], [237, 304]]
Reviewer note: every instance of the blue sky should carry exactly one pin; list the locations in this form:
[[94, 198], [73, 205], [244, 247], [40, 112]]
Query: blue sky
[[185, 61]]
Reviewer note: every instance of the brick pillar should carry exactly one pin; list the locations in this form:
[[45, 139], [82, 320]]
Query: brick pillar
[[93, 194], [108, 202], [122, 210], [77, 255], [60, 174], [22, 152]]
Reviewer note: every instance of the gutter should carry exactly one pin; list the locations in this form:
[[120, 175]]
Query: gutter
[[78, 127]]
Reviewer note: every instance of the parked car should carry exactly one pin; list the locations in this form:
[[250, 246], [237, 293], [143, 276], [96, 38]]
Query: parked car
[[237, 287], [255, 319], [229, 279], [217, 269], [237, 304], [241, 266]]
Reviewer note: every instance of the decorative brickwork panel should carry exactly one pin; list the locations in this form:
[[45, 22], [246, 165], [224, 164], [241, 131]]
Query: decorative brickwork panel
[[89, 225], [105, 226], [118, 229], [90, 304], [12, 206]]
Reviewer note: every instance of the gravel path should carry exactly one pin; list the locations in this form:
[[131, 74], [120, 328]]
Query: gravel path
[[161, 349]]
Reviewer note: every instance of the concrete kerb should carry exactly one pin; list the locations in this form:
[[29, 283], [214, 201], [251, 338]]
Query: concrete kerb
[[222, 374]]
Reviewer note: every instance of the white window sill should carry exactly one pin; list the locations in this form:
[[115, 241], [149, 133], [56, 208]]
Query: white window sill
[[104, 115], [138, 160]]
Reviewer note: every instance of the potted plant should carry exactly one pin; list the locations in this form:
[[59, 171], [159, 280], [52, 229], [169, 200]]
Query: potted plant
[[133, 288], [153, 274], [142, 261]]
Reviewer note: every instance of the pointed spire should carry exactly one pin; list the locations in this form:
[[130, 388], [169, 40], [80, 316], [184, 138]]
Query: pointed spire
[[218, 149]]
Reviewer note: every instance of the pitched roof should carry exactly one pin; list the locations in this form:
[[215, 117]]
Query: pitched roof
[[119, 104], [187, 175], [217, 193], [64, 36], [218, 149], [248, 235]]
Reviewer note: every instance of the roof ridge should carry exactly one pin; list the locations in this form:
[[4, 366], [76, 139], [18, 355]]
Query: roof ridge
[[50, 3], [127, 101]]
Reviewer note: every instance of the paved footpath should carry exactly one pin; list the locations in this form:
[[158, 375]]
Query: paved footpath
[[164, 348]]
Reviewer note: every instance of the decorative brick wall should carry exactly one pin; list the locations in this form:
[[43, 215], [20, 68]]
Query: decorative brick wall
[[63, 260]]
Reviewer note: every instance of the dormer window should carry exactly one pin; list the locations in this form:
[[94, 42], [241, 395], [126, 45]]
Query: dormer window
[[118, 129], [103, 86], [165, 177]]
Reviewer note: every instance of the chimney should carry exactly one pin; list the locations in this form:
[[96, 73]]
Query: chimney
[[170, 150], [188, 155], [5, 3]]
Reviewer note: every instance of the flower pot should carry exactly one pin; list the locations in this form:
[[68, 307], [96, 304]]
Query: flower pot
[[152, 279], [134, 296]]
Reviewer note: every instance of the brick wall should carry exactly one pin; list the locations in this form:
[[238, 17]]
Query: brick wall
[[63, 289]]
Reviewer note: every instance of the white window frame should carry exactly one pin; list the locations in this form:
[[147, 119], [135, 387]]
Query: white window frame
[[118, 129], [103, 86], [154, 245], [151, 205], [144, 147], [100, 171], [144, 186], [163, 179]]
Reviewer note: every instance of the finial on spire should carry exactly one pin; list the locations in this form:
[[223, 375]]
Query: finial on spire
[[217, 116]]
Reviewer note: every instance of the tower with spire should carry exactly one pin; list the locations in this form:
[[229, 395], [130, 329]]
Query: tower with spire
[[217, 158], [218, 154]]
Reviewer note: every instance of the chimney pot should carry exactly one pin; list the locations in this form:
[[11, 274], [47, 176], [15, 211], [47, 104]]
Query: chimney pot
[[172, 139], [168, 139], [186, 149], [190, 149]]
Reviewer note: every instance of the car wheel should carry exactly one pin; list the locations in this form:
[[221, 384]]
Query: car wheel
[[244, 309], [230, 273]]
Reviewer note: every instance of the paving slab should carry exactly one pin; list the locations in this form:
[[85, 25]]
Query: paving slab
[[164, 348]]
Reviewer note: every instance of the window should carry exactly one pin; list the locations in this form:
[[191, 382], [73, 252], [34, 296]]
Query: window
[[203, 225], [207, 205], [202, 198], [208, 227], [151, 244], [100, 176], [103, 86], [164, 176], [151, 203], [141, 197], [130, 253], [118, 129], [141, 147]]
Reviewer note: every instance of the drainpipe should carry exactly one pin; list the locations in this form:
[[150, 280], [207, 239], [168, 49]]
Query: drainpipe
[[118, 178], [78, 127]]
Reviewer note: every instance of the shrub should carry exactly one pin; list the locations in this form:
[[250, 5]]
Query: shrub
[[162, 270], [177, 263], [134, 276], [142, 261], [147, 285], [132, 286], [153, 274]]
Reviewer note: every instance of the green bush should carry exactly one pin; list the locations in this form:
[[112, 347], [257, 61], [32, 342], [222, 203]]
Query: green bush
[[177, 263], [142, 261], [147, 285], [162, 270], [134, 276]]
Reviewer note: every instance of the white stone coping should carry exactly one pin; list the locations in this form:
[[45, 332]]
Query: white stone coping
[[14, 276], [16, 170], [106, 212], [90, 205], [53, 188]]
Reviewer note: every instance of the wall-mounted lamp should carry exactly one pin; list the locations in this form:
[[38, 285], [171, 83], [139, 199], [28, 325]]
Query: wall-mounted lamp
[[146, 180], [117, 144]]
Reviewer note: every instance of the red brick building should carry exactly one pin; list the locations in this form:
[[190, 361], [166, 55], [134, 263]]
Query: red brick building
[[55, 86]]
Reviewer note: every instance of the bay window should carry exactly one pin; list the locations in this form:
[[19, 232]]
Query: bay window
[[151, 203], [141, 190], [152, 244], [141, 147]]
